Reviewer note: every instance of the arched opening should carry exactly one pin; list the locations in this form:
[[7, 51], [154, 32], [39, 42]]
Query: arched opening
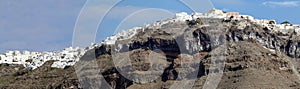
[[272, 22]]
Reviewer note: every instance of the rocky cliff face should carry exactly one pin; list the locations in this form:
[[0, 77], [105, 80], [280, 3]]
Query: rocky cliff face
[[178, 39]]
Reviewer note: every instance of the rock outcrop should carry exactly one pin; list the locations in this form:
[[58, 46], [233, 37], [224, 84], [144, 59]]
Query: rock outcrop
[[258, 48]]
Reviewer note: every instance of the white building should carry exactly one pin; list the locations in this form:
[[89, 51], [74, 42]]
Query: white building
[[9, 57], [183, 16], [216, 11], [285, 26], [297, 30], [2, 58], [213, 13], [247, 17]]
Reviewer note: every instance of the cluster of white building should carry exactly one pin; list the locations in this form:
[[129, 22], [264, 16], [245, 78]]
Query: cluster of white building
[[121, 35], [215, 13], [33, 60]]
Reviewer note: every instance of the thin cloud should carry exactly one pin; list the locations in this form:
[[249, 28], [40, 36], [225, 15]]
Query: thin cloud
[[230, 2], [281, 4]]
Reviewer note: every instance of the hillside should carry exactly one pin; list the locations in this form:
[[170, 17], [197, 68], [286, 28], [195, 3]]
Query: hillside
[[242, 53]]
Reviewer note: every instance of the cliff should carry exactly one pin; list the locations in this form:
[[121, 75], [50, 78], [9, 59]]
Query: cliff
[[246, 54]]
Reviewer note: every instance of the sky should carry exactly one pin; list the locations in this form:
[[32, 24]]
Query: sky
[[48, 25]]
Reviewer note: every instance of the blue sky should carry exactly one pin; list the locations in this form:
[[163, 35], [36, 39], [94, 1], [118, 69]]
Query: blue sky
[[48, 25]]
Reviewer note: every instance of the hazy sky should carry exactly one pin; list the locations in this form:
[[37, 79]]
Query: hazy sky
[[47, 25]]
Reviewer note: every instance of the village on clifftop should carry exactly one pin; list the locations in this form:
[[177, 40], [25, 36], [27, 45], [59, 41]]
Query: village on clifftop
[[69, 56]]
